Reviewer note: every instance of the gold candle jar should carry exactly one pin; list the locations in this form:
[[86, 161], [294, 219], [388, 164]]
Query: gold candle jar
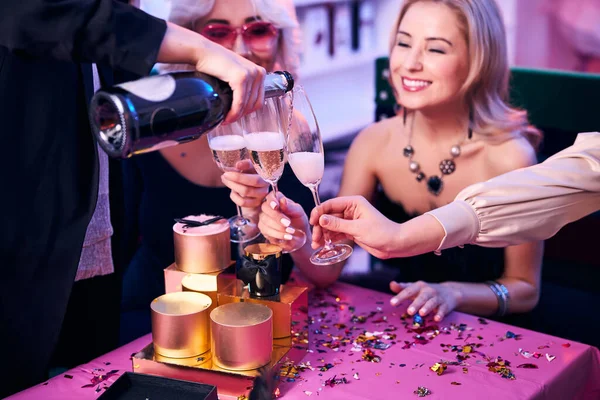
[[180, 324], [241, 336], [261, 269], [202, 249]]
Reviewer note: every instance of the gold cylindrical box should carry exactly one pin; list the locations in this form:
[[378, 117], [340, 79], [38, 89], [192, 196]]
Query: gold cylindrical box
[[241, 336], [180, 324], [202, 249]]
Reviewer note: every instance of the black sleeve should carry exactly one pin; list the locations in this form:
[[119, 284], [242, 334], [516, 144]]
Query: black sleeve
[[98, 31], [132, 195]]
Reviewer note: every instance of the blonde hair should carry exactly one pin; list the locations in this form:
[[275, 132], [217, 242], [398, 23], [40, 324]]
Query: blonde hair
[[282, 13], [486, 87]]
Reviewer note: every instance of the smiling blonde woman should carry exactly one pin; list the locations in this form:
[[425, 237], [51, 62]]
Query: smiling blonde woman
[[449, 70]]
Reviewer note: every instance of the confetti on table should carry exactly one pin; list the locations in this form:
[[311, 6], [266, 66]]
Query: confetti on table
[[422, 391], [549, 357], [68, 376], [100, 376], [456, 383], [438, 368], [356, 376], [501, 367], [566, 345], [331, 382], [512, 335]]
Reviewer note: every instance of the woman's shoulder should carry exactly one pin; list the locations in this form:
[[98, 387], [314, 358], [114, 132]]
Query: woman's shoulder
[[508, 155], [377, 133]]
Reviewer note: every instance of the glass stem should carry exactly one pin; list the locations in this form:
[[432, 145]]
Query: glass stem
[[239, 211], [315, 192]]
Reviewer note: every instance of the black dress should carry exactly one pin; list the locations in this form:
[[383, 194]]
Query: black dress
[[468, 264]]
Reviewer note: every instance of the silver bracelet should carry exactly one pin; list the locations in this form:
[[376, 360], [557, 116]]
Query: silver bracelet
[[502, 295]]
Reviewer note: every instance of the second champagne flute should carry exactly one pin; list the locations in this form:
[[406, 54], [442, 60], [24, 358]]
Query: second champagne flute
[[229, 148], [306, 157], [265, 142]]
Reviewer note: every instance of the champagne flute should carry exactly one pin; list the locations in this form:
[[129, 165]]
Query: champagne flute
[[229, 149], [306, 157], [265, 141]]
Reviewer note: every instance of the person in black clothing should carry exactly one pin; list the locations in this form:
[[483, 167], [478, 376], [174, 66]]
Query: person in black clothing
[[184, 180], [50, 168]]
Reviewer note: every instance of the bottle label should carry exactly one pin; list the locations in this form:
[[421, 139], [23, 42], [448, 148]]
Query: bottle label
[[153, 88]]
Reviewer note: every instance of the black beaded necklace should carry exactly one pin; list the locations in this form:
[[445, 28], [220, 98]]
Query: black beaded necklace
[[435, 184]]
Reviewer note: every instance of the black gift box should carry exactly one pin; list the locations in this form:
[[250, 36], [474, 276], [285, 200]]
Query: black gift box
[[140, 386]]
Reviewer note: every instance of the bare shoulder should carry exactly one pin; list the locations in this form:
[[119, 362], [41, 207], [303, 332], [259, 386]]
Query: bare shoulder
[[376, 134], [509, 155]]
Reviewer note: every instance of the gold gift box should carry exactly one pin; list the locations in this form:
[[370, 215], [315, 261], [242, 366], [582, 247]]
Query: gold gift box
[[289, 307], [214, 281]]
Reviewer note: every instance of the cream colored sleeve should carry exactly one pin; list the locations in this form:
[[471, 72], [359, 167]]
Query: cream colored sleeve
[[527, 204]]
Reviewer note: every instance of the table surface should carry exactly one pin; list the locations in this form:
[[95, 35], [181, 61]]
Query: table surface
[[346, 322]]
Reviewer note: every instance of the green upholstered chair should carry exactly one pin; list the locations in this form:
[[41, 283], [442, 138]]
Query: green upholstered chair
[[559, 103]]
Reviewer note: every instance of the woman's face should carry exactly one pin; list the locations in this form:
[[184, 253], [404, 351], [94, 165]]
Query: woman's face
[[235, 25], [429, 62]]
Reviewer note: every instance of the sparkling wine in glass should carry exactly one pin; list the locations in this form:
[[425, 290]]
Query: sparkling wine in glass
[[306, 157], [229, 149], [265, 141]]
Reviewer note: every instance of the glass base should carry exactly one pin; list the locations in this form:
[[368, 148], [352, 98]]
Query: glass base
[[331, 255], [242, 230], [299, 236]]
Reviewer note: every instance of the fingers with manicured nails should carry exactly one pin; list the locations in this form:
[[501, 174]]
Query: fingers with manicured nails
[[291, 208], [269, 227], [270, 211]]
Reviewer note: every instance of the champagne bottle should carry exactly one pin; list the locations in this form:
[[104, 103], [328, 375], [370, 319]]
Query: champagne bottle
[[164, 110]]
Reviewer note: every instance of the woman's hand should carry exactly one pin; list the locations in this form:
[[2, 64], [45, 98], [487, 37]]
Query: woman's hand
[[279, 220], [248, 190], [427, 297], [182, 46]]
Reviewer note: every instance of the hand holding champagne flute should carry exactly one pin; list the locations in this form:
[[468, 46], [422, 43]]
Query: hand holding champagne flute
[[306, 157], [265, 142], [229, 151]]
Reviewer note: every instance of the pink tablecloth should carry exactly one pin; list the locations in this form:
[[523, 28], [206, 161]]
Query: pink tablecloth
[[565, 369]]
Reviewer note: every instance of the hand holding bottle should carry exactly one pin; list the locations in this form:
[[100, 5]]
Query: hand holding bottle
[[182, 46]]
